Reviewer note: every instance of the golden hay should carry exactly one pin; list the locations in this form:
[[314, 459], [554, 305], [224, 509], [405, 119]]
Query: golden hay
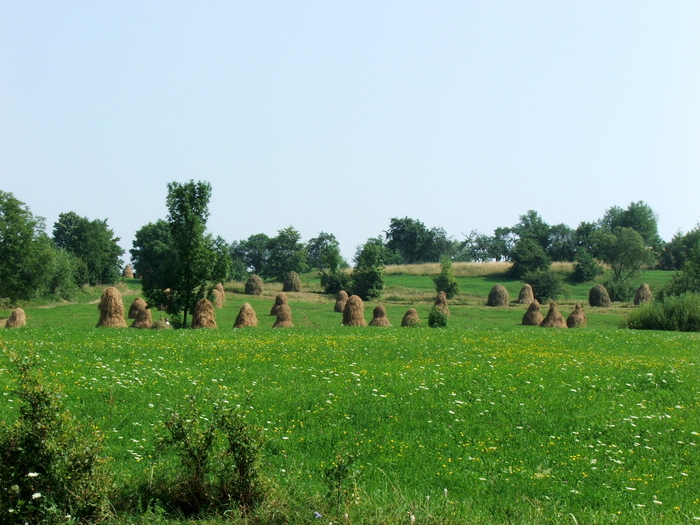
[[526, 296], [142, 319], [17, 319], [246, 317], [279, 301], [128, 272], [219, 286], [599, 296], [217, 297], [354, 312], [379, 317], [533, 316], [254, 285], [138, 305], [284, 317], [441, 304], [498, 296], [576, 318], [553, 319], [292, 282], [161, 324], [642, 295], [111, 309], [203, 315], [410, 318], [340, 300]]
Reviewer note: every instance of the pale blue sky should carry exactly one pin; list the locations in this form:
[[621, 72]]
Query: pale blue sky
[[337, 116]]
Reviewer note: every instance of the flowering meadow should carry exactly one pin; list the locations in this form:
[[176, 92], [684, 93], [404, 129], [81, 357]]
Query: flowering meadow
[[398, 425]]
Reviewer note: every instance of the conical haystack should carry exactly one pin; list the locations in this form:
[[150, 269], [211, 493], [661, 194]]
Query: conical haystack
[[203, 315], [217, 298], [526, 296], [17, 319], [599, 296], [142, 319], [279, 301], [498, 296], [379, 317], [136, 306], [292, 282], [340, 300], [254, 285], [410, 318], [284, 317], [246, 317], [533, 316], [441, 304], [354, 312], [111, 309], [553, 319], [576, 318], [642, 295], [128, 272], [220, 287]]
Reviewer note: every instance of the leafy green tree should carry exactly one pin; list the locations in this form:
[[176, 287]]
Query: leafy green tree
[[546, 284], [154, 259], [502, 243], [445, 281], [561, 243], [638, 216], [624, 250], [253, 251], [680, 249], [93, 243], [528, 256], [414, 242], [586, 268], [286, 254], [368, 273], [323, 252], [476, 247], [687, 280], [531, 226]]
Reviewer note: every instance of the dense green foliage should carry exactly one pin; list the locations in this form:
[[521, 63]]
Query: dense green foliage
[[286, 253], [445, 281], [623, 249], [546, 284], [367, 279], [528, 256], [678, 313], [414, 242]]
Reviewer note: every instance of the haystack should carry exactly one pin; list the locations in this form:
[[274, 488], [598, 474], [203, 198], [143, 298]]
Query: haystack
[[128, 272], [17, 319], [142, 319], [533, 316], [354, 312], [526, 296], [292, 282], [203, 315], [217, 298], [379, 317], [441, 304], [161, 324], [599, 296], [498, 296], [554, 319], [111, 309], [642, 295], [284, 317], [138, 305], [279, 301], [340, 300], [410, 318], [576, 318], [220, 287], [246, 317], [254, 285]]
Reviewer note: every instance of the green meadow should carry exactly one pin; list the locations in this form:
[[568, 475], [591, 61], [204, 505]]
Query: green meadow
[[484, 421]]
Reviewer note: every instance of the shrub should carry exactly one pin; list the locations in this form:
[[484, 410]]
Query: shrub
[[437, 318], [586, 268], [445, 281], [546, 285], [528, 256], [333, 282], [677, 313], [619, 291], [368, 282]]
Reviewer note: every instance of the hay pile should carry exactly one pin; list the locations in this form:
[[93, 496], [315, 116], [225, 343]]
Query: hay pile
[[217, 298], [498, 296], [354, 312], [599, 296], [284, 317], [246, 317], [526, 296], [138, 305], [642, 295], [128, 272], [340, 300], [161, 324], [111, 309], [441, 304], [254, 285], [576, 318], [279, 301], [410, 318], [379, 317], [291, 283], [17, 319], [203, 315], [142, 319], [533, 316], [554, 319]]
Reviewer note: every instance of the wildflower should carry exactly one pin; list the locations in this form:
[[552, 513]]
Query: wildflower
[[33, 474], [413, 519], [36, 495]]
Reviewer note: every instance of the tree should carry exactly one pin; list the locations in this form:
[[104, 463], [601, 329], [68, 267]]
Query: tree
[[254, 252], [680, 249], [476, 247], [624, 250], [531, 226], [414, 243], [445, 281], [528, 256], [502, 243], [93, 243], [154, 258], [368, 274], [286, 254], [638, 216], [323, 252], [561, 243]]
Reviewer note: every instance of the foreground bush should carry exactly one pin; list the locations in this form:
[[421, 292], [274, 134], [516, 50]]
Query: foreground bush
[[677, 313]]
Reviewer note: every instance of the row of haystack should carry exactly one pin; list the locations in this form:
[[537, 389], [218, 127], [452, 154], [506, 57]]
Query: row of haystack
[[290, 283], [554, 318], [598, 296], [352, 308]]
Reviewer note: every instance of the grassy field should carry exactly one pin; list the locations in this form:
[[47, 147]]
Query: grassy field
[[484, 421]]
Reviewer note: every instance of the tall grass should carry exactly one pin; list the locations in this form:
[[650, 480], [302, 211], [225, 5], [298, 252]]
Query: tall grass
[[677, 313]]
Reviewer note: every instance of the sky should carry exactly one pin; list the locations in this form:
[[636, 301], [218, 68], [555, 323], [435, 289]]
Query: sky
[[338, 116]]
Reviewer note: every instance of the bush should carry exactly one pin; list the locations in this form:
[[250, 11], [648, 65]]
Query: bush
[[586, 268], [437, 318], [445, 281], [528, 257], [677, 313], [619, 291], [368, 282], [334, 281], [546, 285]]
